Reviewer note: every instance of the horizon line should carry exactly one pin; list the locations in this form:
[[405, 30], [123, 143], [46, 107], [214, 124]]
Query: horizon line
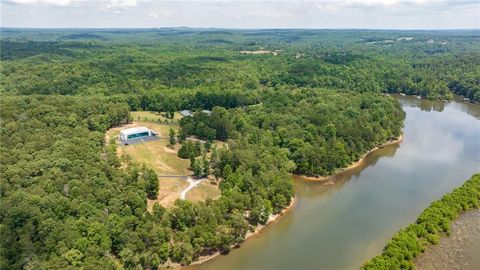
[[241, 28]]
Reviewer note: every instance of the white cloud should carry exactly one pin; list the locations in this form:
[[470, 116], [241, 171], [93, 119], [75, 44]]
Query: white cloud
[[153, 15], [122, 4], [386, 14], [387, 2], [62, 3]]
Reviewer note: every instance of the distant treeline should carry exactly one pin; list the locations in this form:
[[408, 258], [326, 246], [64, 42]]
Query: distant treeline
[[429, 227], [428, 64]]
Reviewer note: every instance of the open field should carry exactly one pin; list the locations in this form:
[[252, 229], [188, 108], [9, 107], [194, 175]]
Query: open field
[[156, 117], [168, 192], [163, 159], [203, 191]]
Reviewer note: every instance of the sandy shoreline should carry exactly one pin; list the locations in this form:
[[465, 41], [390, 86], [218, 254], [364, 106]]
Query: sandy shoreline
[[351, 166], [274, 218], [249, 234]]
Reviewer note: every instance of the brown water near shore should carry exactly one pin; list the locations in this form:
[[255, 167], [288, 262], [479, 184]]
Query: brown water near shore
[[459, 251]]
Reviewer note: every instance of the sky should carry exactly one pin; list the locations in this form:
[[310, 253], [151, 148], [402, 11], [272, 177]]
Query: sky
[[359, 14]]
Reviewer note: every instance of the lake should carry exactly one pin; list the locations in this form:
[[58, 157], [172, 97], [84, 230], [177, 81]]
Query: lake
[[342, 225]]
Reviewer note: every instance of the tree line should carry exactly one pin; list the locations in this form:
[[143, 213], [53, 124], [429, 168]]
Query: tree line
[[320, 131], [434, 222], [360, 61]]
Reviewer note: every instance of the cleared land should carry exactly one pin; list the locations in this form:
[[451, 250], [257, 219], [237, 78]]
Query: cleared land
[[155, 117], [203, 191], [160, 157]]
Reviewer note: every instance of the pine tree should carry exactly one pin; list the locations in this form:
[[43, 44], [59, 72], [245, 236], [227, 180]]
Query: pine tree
[[214, 157], [197, 149], [172, 140], [197, 169], [208, 145], [184, 151], [192, 161], [182, 136], [206, 166]]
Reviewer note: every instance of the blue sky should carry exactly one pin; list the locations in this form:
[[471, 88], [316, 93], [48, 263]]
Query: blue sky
[[377, 14]]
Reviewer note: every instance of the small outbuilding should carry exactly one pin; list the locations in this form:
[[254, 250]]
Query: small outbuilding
[[207, 112], [136, 132], [186, 113]]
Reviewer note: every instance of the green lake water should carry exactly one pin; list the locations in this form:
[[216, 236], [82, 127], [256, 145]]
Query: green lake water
[[339, 226]]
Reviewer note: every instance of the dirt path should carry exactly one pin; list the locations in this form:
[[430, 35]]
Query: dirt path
[[460, 250], [192, 183]]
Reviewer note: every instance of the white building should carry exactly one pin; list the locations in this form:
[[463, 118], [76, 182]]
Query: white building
[[136, 132], [186, 113]]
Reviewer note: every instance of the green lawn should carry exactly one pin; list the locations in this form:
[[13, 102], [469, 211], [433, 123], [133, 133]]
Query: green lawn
[[154, 117]]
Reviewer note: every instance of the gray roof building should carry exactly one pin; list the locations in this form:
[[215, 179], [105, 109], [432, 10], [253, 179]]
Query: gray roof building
[[186, 113]]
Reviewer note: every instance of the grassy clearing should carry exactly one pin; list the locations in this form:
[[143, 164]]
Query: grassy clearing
[[154, 117], [203, 191], [163, 159], [155, 154], [168, 192]]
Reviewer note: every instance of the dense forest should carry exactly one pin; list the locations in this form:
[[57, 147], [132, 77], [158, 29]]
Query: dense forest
[[304, 101], [321, 130], [429, 227], [67, 204], [432, 64]]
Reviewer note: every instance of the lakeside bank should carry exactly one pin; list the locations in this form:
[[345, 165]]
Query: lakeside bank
[[358, 214], [273, 218], [355, 165], [250, 234]]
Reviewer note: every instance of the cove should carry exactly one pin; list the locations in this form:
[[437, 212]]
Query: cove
[[341, 225]]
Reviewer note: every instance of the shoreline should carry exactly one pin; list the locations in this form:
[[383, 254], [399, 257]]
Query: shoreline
[[458, 249], [276, 217], [249, 234], [352, 166]]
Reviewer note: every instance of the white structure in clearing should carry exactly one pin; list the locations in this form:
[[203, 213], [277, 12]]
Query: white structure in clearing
[[136, 132], [185, 113]]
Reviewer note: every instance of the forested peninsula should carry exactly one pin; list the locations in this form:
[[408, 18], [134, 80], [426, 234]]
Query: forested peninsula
[[311, 102]]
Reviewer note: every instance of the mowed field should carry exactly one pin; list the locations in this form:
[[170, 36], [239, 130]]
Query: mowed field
[[154, 117], [163, 159]]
